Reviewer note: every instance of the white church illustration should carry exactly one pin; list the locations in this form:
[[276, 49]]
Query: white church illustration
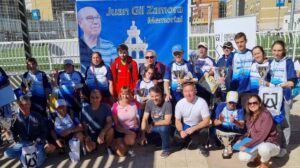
[[136, 46]]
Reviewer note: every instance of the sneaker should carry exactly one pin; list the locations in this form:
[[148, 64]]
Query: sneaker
[[165, 154], [131, 153], [204, 151], [282, 152], [109, 151]]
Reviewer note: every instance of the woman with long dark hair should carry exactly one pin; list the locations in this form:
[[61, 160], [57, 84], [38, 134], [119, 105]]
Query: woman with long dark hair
[[262, 131]]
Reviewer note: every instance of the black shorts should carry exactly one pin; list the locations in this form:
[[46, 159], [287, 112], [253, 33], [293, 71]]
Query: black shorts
[[122, 135]]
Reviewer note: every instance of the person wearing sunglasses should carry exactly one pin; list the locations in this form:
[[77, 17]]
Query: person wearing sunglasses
[[159, 68], [262, 132], [177, 72], [225, 61], [89, 22]]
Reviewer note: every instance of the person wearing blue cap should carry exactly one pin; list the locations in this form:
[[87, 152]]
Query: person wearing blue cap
[[177, 72]]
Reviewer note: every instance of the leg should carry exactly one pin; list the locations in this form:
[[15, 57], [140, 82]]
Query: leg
[[89, 144], [129, 139], [267, 150], [49, 148], [121, 148], [109, 136], [200, 137], [164, 132], [246, 157], [41, 155], [287, 124]]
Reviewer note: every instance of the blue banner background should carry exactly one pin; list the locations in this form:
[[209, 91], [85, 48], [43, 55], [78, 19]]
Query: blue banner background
[[160, 36]]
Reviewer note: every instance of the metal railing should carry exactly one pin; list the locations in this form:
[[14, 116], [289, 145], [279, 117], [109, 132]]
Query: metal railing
[[51, 53]]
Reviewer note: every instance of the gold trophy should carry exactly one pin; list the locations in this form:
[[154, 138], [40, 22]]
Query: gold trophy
[[27, 83]]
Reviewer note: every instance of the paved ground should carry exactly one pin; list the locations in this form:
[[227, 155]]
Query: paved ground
[[148, 157]]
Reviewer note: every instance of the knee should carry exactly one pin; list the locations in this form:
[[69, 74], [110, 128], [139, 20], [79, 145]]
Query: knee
[[264, 149], [244, 157], [130, 139], [49, 148], [165, 129]]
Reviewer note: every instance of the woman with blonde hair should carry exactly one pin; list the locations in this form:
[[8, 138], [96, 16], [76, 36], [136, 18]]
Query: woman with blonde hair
[[125, 116]]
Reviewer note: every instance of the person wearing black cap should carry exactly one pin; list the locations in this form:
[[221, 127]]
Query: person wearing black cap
[[225, 61]]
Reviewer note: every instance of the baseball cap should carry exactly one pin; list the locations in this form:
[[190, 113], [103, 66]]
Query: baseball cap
[[202, 44], [232, 96], [60, 102], [68, 61], [228, 44], [177, 48]]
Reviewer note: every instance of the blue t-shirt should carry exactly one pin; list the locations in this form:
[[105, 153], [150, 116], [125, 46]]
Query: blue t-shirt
[[98, 77], [281, 72], [63, 123], [173, 66], [241, 65], [222, 109], [38, 82], [95, 120]]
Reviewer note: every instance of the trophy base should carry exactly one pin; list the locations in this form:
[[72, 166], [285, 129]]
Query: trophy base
[[226, 154]]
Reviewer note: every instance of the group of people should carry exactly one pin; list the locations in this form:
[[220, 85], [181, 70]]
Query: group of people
[[123, 104]]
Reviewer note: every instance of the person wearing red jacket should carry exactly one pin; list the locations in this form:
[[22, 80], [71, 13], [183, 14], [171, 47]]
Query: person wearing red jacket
[[124, 71]]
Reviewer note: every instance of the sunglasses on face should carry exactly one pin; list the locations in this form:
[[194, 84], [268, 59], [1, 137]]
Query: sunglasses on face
[[252, 103], [149, 57]]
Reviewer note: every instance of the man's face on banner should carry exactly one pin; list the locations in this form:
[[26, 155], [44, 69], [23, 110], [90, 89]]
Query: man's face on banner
[[89, 21]]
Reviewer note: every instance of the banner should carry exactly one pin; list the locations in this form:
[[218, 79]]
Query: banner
[[140, 24], [225, 30]]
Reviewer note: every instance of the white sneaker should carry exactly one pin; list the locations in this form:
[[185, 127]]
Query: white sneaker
[[131, 153], [282, 152]]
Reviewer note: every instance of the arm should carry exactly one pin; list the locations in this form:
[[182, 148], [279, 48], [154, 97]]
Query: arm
[[204, 123], [265, 127], [107, 126], [144, 127], [166, 121], [110, 81]]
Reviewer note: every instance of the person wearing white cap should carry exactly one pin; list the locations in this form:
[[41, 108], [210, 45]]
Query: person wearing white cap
[[177, 72], [203, 65], [68, 82], [64, 126], [228, 118]]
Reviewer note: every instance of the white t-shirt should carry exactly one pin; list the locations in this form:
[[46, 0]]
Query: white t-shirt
[[192, 113]]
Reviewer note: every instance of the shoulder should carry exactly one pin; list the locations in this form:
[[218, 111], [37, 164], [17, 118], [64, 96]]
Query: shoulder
[[200, 100]]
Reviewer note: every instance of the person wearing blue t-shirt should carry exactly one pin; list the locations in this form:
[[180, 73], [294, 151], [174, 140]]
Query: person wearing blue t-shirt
[[36, 83], [99, 76], [204, 64], [283, 74], [70, 81], [257, 78], [241, 65], [229, 118], [177, 72], [225, 61]]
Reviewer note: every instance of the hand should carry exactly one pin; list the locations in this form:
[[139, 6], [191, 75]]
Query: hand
[[155, 82], [183, 134], [221, 80], [66, 132], [168, 97], [59, 143], [232, 118], [221, 118], [143, 140], [243, 148], [100, 138], [190, 130], [211, 72]]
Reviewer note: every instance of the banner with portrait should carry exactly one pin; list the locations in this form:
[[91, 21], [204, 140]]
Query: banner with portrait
[[140, 24]]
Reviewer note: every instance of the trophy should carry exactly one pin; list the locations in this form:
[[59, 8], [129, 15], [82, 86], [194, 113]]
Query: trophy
[[226, 138], [27, 83], [221, 72], [180, 74], [141, 92], [262, 71], [193, 59]]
